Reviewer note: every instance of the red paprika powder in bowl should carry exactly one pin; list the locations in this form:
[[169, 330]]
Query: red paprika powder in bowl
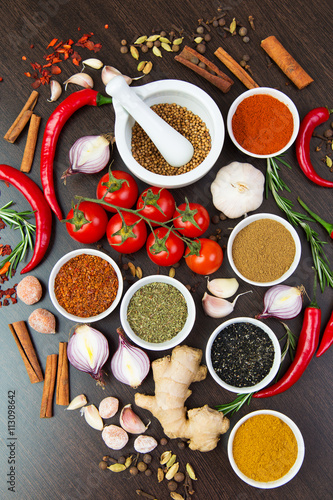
[[263, 122]]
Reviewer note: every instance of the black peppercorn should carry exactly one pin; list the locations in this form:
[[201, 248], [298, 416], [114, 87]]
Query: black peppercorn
[[328, 133], [201, 48], [216, 23], [181, 445], [200, 30], [144, 49], [148, 472], [246, 57], [134, 470], [207, 37], [179, 477], [142, 466], [163, 441], [123, 49], [221, 22], [146, 458], [242, 31], [215, 219], [103, 465], [246, 39], [172, 485], [121, 460]]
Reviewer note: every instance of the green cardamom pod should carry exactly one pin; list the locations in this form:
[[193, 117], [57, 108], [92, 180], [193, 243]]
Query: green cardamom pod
[[157, 52], [140, 40], [190, 471], [134, 52], [166, 47], [117, 467], [164, 40], [178, 41], [153, 38]]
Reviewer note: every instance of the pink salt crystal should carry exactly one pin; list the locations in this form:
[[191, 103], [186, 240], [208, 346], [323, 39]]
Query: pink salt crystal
[[114, 437], [29, 290], [42, 321], [108, 407]]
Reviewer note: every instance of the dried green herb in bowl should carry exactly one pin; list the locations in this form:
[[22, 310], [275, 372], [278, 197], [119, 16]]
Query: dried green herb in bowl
[[157, 312]]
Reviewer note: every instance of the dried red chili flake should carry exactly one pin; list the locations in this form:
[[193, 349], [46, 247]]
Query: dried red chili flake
[[1, 78], [36, 83], [5, 249], [2, 224], [55, 70], [24, 58], [52, 43]]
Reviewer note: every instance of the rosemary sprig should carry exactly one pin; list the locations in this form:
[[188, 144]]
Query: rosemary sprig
[[274, 183], [17, 220], [236, 404]]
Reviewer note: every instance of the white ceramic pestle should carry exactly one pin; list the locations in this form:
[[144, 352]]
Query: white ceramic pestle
[[174, 147]]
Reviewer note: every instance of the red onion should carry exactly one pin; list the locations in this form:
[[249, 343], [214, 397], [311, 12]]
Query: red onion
[[89, 154], [283, 302], [130, 365], [88, 351]]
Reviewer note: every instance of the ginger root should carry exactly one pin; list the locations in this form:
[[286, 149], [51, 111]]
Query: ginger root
[[173, 376]]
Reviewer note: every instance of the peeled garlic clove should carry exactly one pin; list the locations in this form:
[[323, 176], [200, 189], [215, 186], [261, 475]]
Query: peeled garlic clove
[[145, 444], [92, 63], [223, 287], [77, 402], [109, 72], [131, 422], [92, 417], [81, 79], [56, 90], [216, 307]]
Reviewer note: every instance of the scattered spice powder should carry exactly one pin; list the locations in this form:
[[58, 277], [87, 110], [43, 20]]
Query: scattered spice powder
[[186, 123], [264, 448], [157, 312], [262, 124], [242, 354], [263, 251], [86, 285]]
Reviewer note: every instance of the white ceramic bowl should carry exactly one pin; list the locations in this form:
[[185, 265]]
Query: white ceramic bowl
[[274, 93], [276, 361], [65, 259], [245, 222], [177, 339], [186, 95], [294, 469]]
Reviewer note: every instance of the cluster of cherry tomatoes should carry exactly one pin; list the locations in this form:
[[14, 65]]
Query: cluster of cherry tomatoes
[[171, 227]]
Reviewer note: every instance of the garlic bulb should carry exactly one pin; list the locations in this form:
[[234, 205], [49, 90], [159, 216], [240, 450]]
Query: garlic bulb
[[238, 189]]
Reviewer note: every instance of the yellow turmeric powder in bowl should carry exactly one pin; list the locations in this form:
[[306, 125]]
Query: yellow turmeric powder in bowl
[[266, 449]]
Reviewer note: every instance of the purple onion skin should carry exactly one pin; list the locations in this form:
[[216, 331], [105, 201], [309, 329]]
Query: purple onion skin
[[89, 167]]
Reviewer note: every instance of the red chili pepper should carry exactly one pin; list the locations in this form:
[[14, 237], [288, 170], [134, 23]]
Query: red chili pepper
[[308, 124], [326, 225], [52, 131], [306, 347], [43, 215], [327, 338]]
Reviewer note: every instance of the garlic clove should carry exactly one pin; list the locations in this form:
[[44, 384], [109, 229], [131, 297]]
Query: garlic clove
[[82, 79], [219, 308], [109, 72], [56, 90], [77, 402], [130, 421], [92, 63], [92, 417], [216, 307], [145, 444], [223, 287]]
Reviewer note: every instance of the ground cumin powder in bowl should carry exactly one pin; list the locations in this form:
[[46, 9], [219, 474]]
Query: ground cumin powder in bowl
[[266, 449], [264, 249]]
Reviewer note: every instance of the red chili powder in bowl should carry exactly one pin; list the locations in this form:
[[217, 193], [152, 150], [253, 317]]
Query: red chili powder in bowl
[[262, 124]]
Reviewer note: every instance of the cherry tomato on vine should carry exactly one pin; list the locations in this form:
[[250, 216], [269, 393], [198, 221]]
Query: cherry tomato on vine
[[126, 235], [123, 189], [209, 259], [156, 199], [164, 247], [192, 219], [86, 222]]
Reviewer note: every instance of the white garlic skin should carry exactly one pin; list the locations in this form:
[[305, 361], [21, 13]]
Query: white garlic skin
[[237, 189], [223, 287]]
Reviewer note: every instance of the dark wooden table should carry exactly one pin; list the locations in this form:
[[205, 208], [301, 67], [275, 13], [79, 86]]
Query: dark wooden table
[[58, 457]]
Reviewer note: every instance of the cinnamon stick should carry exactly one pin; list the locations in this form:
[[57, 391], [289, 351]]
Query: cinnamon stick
[[16, 128], [235, 68], [46, 410], [27, 351], [219, 79], [29, 150], [62, 393], [286, 62]]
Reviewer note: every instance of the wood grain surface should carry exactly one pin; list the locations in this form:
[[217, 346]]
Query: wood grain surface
[[57, 458]]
